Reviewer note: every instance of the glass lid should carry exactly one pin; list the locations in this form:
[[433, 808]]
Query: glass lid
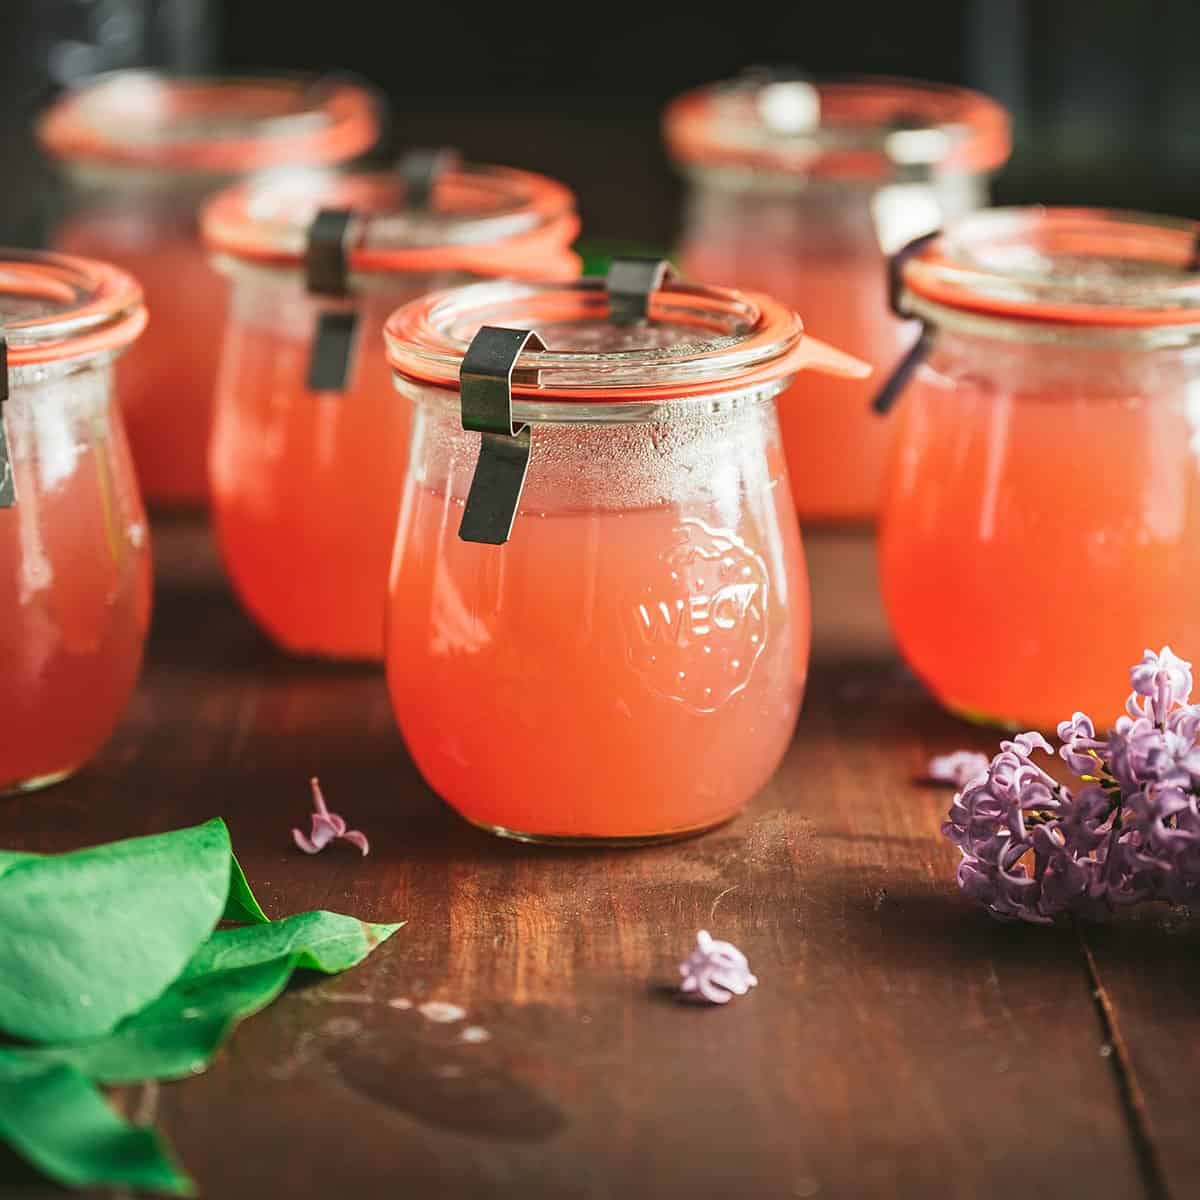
[[142, 118], [493, 219], [696, 340], [54, 307], [853, 129], [1068, 265]]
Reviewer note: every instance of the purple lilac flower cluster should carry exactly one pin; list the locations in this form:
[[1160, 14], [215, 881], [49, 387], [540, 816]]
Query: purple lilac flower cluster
[[1032, 848]]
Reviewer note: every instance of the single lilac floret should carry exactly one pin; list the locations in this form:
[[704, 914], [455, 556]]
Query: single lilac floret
[[1024, 744], [715, 971], [1080, 749], [1161, 681], [327, 827]]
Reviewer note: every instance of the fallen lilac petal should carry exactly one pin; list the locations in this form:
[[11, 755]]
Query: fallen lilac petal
[[355, 838], [958, 768], [309, 847], [327, 827], [715, 971], [318, 797], [324, 831]]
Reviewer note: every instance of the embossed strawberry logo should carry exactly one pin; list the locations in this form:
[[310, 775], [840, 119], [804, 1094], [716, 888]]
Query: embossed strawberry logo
[[697, 624]]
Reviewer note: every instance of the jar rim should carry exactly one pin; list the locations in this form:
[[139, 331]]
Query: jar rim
[[57, 306], [209, 124], [698, 340], [486, 220], [1065, 266], [867, 128]]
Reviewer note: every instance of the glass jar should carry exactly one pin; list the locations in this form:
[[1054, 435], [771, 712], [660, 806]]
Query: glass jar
[[628, 667], [793, 187], [141, 152], [307, 473], [74, 548], [1041, 518]]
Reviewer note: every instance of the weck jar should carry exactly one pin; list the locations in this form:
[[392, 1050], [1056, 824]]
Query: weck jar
[[140, 152], [1041, 517], [628, 663], [799, 189], [310, 440], [74, 547]]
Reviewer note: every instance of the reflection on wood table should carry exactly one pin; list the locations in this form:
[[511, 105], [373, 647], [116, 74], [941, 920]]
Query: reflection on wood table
[[520, 1036]]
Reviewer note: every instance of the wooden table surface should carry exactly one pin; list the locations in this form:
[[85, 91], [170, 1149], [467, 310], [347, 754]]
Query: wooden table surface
[[900, 1043]]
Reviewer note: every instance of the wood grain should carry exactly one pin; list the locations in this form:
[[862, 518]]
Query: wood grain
[[1147, 974], [900, 1044]]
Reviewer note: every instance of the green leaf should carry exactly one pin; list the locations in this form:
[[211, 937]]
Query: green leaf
[[179, 1033], [13, 858], [57, 1120], [242, 905], [320, 941], [90, 937], [111, 956], [235, 974]]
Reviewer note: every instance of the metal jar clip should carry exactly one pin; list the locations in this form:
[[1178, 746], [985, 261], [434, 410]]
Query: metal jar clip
[[420, 168], [8, 482], [327, 273], [485, 382], [889, 393], [630, 283]]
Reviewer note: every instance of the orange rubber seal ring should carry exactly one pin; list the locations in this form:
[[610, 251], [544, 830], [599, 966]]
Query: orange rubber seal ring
[[332, 122], [110, 318], [930, 274], [983, 141], [539, 252], [776, 324]]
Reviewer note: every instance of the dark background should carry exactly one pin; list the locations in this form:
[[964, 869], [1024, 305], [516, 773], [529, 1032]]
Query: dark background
[[1105, 93]]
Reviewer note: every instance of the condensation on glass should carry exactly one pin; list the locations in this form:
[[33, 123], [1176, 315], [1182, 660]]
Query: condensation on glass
[[1041, 516], [799, 189], [629, 665], [140, 151], [74, 546]]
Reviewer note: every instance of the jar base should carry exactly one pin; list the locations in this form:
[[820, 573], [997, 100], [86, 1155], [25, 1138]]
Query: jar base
[[851, 523], [569, 841], [330, 659], [36, 784]]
